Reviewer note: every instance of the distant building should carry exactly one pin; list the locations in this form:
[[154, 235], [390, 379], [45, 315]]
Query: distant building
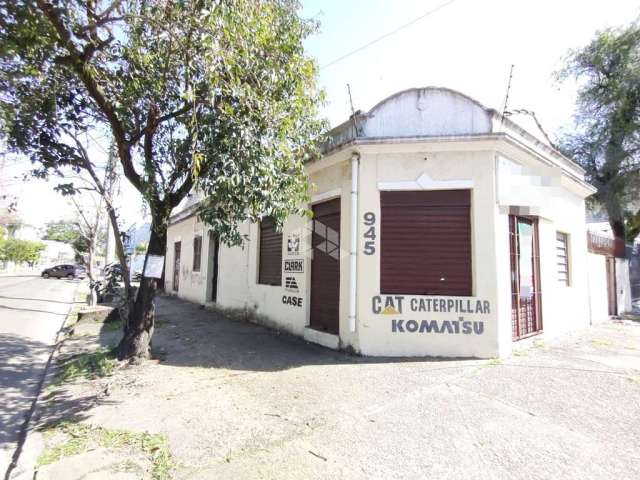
[[56, 253], [135, 235]]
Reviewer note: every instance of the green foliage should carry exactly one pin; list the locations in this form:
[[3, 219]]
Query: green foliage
[[632, 224], [607, 138], [62, 231], [100, 363], [20, 251], [76, 438], [141, 248], [207, 93]]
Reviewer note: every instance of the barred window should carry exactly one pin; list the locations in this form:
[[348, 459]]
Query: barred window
[[562, 256], [197, 252]]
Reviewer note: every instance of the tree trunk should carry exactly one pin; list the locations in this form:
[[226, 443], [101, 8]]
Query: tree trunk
[[90, 259], [615, 213], [138, 330]]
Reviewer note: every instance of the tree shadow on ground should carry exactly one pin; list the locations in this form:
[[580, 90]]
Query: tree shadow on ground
[[34, 299], [22, 363], [189, 335]]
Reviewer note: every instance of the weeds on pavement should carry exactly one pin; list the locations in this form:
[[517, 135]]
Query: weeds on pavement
[[99, 363], [76, 438]]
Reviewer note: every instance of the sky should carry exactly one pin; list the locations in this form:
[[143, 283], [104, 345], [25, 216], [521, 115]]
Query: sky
[[466, 45]]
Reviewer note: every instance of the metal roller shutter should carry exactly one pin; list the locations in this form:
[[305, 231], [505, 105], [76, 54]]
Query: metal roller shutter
[[426, 243], [325, 269], [270, 261]]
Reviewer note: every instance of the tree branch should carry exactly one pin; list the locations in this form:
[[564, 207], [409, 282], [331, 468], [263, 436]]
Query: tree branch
[[176, 113], [78, 63]]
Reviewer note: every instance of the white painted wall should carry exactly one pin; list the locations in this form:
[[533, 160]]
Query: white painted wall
[[564, 308], [238, 285], [427, 164], [432, 111], [192, 285], [375, 330]]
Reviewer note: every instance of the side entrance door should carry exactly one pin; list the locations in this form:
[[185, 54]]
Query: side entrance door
[[176, 266], [611, 286], [525, 277], [325, 267], [214, 248]]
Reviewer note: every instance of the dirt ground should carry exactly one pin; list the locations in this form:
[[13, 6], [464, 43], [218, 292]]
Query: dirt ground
[[236, 400]]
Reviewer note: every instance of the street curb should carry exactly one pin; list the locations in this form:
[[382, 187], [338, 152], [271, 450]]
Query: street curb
[[31, 446]]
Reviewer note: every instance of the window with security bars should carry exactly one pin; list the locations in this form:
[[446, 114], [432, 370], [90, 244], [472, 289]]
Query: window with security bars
[[562, 256], [270, 258], [197, 252]]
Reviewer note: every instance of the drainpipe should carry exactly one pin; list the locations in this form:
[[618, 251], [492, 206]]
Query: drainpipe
[[353, 254]]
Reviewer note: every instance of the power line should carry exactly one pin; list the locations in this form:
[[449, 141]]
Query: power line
[[506, 97], [97, 143], [388, 34]]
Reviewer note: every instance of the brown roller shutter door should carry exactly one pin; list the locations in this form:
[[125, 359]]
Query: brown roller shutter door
[[325, 267], [426, 243], [270, 261]]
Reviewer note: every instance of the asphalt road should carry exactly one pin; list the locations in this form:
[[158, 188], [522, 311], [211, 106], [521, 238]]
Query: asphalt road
[[32, 310]]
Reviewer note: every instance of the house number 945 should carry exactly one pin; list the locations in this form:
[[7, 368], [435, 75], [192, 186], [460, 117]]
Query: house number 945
[[370, 233]]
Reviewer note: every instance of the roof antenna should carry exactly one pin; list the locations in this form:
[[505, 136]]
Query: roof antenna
[[506, 97], [353, 113]]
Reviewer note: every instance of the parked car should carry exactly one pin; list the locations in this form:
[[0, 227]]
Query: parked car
[[64, 271]]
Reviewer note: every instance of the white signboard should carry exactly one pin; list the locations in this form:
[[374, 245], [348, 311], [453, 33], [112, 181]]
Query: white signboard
[[154, 266]]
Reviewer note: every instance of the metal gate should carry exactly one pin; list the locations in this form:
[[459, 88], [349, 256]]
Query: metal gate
[[612, 299], [325, 267], [525, 277]]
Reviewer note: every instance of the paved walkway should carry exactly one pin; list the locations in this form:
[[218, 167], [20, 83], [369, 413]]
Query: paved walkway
[[32, 311], [239, 401]]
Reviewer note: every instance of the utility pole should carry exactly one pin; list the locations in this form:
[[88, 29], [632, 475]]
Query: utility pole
[[110, 179]]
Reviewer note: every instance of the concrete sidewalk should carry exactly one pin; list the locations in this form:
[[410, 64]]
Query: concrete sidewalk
[[239, 401]]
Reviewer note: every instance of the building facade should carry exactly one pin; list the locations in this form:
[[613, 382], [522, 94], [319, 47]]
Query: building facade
[[439, 228]]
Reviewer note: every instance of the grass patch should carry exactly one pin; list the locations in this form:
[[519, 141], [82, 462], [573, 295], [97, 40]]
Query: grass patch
[[77, 438], [520, 353], [601, 343], [112, 326], [489, 363], [97, 364], [160, 322]]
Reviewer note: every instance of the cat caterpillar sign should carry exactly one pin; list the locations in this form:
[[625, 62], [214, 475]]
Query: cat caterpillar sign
[[394, 305]]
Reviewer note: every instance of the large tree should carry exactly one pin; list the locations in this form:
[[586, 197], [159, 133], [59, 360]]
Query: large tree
[[212, 94], [607, 137]]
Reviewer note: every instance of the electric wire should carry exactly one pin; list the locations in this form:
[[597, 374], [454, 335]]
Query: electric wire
[[388, 34]]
